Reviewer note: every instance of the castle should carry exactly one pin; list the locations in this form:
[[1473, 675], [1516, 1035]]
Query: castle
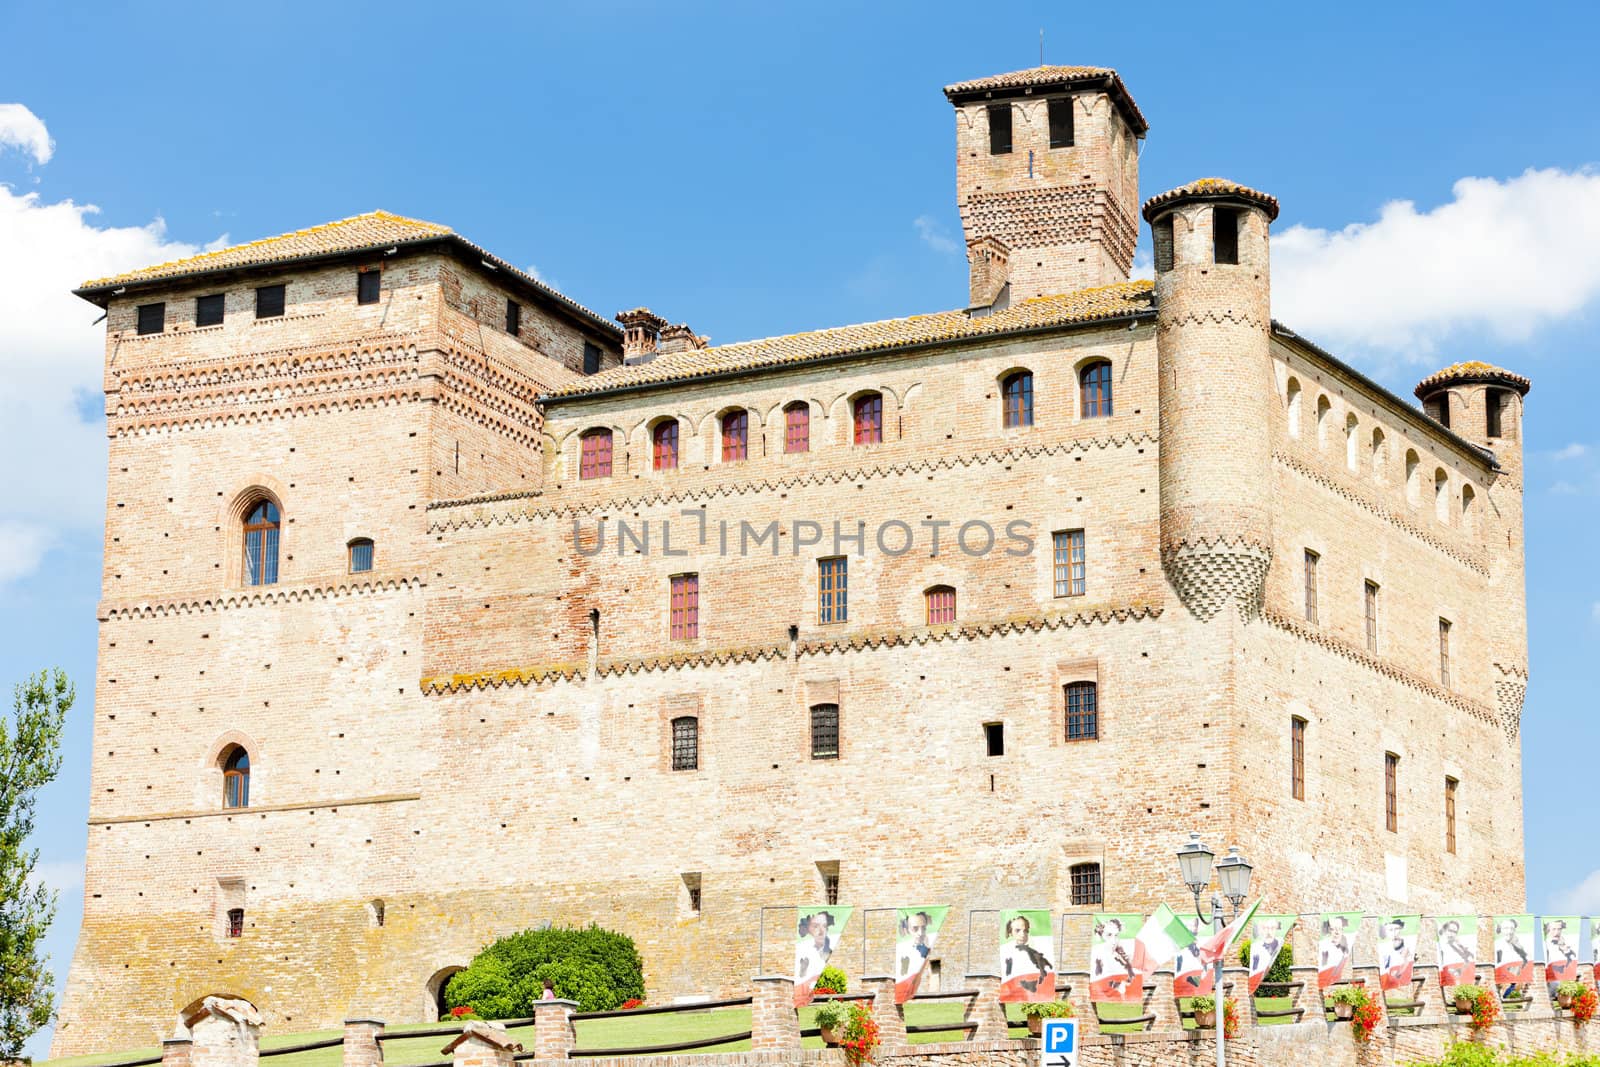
[[437, 606]]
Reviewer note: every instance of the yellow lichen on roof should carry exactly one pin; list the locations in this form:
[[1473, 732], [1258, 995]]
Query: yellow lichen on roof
[[1472, 370], [1204, 188], [372, 230], [1083, 306], [1047, 76]]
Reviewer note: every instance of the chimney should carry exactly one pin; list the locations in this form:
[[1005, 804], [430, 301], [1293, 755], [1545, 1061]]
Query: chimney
[[680, 338], [990, 261], [640, 331]]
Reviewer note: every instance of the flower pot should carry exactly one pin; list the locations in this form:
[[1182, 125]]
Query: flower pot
[[1463, 1006], [1342, 1010], [832, 1035], [1206, 1020], [1564, 999], [1035, 1025]]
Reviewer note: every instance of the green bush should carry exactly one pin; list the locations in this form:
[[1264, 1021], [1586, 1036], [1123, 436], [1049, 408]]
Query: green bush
[[832, 978], [1470, 1054], [597, 968], [1278, 974]]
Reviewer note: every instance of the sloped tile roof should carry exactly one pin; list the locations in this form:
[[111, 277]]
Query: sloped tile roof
[[1048, 76], [1083, 306], [1211, 189], [1472, 371]]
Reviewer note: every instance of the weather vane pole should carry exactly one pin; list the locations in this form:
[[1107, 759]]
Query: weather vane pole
[[1041, 46]]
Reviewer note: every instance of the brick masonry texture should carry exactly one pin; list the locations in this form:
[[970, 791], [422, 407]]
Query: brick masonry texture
[[474, 737]]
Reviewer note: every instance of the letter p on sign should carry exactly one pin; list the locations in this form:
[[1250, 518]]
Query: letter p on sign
[[1060, 1045]]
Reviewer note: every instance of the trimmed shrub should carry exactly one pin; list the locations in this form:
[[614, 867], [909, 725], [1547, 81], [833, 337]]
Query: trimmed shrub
[[833, 979], [595, 967]]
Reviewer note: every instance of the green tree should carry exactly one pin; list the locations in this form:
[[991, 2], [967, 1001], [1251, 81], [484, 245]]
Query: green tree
[[597, 968], [30, 756]]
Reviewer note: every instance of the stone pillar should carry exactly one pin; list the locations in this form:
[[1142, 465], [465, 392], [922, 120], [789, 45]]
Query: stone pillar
[[553, 1033], [483, 1044], [890, 1017], [774, 1024], [1432, 994], [177, 1052], [1543, 1006], [985, 1009], [361, 1045], [1077, 983], [1308, 996], [224, 1032], [1163, 1004]]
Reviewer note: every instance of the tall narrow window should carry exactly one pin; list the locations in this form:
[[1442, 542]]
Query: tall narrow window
[[270, 301], [513, 317], [1017, 400], [1292, 395], [1444, 653], [825, 732], [994, 738], [1225, 235], [360, 555], [236, 778], [664, 446], [1494, 401], [1083, 711], [1084, 878], [1068, 562], [594, 454], [999, 129], [1095, 389], [591, 358], [686, 743], [1450, 785], [208, 310], [1391, 791], [235, 922], [797, 427], [261, 544], [832, 589], [369, 286], [685, 607], [829, 870], [735, 428], [1438, 406], [152, 318], [867, 415], [1311, 585], [1372, 616], [941, 603], [691, 888], [1061, 122], [1297, 757], [1161, 236]]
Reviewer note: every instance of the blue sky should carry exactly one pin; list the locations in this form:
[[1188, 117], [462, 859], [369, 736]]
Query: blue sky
[[759, 169]]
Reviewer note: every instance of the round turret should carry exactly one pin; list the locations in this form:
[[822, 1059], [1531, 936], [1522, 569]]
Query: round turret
[[1213, 318], [1480, 402]]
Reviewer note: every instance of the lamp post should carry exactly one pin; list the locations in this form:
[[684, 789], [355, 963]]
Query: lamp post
[[1195, 860]]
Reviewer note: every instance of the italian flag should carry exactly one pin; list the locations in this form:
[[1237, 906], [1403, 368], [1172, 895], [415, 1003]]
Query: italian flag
[[1214, 946], [1158, 942]]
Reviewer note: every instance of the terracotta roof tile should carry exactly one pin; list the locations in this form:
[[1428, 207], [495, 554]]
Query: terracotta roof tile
[[1046, 76], [1472, 371], [1211, 189], [1085, 305]]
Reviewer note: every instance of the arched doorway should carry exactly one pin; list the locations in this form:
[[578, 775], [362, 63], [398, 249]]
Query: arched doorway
[[435, 1007]]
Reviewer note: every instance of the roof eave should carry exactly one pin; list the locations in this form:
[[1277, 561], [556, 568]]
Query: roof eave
[[1111, 83]]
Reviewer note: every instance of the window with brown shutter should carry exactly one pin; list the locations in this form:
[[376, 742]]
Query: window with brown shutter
[[591, 358], [152, 318], [513, 317], [832, 589], [1391, 791], [1450, 785], [1094, 388], [270, 301], [208, 310], [1067, 558], [369, 285], [1017, 400], [261, 529], [1297, 757], [1061, 122]]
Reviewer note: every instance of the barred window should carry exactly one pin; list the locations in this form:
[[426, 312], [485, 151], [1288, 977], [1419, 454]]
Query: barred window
[[1068, 558], [1017, 395], [595, 458], [797, 427], [1084, 879], [941, 605], [735, 428], [152, 318], [830, 882], [685, 607], [686, 743], [1311, 585], [1297, 757], [664, 445], [1372, 616], [1083, 711], [833, 603], [825, 732], [360, 555], [261, 544], [235, 922], [868, 417], [1095, 388]]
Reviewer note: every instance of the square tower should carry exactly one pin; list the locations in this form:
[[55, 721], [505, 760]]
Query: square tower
[[1047, 166]]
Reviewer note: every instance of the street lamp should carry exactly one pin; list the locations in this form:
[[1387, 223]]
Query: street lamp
[[1233, 875]]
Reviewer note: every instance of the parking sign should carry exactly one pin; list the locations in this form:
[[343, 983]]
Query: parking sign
[[1060, 1045]]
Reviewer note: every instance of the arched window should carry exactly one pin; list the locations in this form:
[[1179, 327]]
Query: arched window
[[735, 431], [1352, 454], [1441, 495], [867, 415], [1016, 393], [360, 555], [941, 600], [1379, 455], [1413, 478], [236, 778], [261, 543], [664, 445], [797, 427], [1323, 407], [1083, 711], [595, 454], [1094, 389], [686, 743], [1469, 511], [825, 731], [1294, 407]]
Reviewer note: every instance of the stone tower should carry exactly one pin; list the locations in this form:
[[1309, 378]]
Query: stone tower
[[1047, 179], [1214, 326]]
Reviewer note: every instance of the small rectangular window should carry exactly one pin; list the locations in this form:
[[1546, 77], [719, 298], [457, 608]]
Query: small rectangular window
[[1068, 561], [825, 732], [1083, 711], [1225, 235], [685, 607], [208, 310], [1297, 757], [513, 317], [1444, 653], [833, 603], [999, 129], [1085, 881], [1311, 585], [686, 743], [235, 922], [1372, 616], [829, 871], [269, 301], [369, 285], [1391, 791], [994, 738], [1450, 786], [1061, 122], [152, 318], [1495, 402], [591, 358], [360, 556], [691, 890]]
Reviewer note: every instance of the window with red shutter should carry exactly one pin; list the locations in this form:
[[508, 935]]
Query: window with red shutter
[[595, 456], [797, 427], [868, 412], [664, 445], [734, 426]]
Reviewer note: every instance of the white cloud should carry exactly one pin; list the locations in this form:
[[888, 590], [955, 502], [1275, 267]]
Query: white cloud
[[22, 546], [63, 876], [1572, 451], [1581, 899], [21, 128], [1502, 256], [934, 235]]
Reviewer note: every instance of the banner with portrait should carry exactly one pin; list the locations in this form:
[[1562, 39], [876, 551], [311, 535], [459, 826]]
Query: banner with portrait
[[1336, 946], [1397, 951], [1267, 937], [817, 934], [1458, 950], [1112, 976], [1513, 951], [1027, 956], [916, 934], [1560, 948], [1190, 977]]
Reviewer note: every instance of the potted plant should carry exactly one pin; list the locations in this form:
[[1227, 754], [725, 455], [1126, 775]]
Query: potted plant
[[1037, 1011], [1567, 992], [1465, 996], [1346, 999], [1205, 1011], [851, 1027], [831, 1018], [1479, 1003]]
